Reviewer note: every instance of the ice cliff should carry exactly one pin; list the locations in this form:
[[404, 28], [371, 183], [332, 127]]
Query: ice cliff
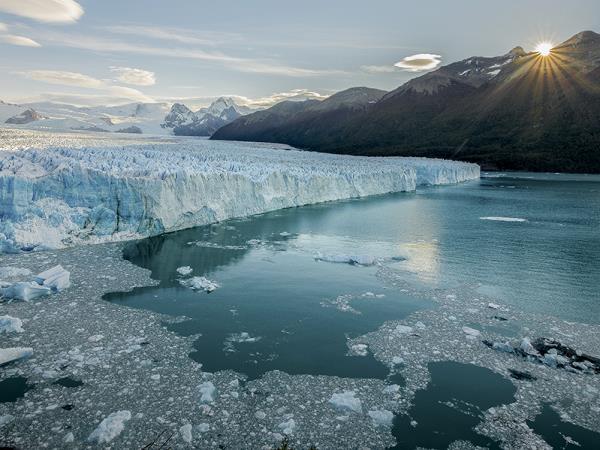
[[58, 190]]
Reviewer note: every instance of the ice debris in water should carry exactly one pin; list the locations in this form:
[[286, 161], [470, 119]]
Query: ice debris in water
[[52, 280], [186, 433], [110, 427], [14, 353], [471, 333], [346, 400], [62, 190], [13, 272], [208, 392], [504, 219], [10, 324], [359, 260], [200, 284], [382, 417], [184, 270], [288, 426], [359, 349]]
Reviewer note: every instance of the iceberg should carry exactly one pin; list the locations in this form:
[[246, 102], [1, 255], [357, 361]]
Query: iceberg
[[11, 354], [59, 190], [110, 427]]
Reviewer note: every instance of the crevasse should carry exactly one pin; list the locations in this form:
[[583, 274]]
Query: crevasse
[[59, 190]]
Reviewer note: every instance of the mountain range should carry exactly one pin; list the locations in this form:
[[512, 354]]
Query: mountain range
[[520, 111]]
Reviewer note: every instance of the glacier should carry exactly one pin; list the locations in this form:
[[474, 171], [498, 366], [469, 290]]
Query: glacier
[[64, 189]]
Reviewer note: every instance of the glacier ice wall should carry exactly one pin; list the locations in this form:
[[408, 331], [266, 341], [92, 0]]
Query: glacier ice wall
[[58, 190]]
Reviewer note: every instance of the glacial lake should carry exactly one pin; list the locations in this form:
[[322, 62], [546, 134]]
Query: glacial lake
[[532, 241]]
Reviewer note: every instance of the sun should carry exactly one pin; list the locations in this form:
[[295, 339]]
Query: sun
[[544, 48]]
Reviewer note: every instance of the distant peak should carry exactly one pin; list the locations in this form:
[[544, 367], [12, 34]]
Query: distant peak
[[583, 36], [517, 51]]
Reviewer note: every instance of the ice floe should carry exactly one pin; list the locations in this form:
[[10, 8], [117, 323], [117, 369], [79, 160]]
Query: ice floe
[[346, 401], [110, 427], [200, 284], [11, 354], [10, 324]]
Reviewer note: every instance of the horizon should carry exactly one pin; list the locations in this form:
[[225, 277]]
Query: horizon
[[79, 53]]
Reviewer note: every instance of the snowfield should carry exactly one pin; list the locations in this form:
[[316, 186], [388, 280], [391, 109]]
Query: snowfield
[[58, 190]]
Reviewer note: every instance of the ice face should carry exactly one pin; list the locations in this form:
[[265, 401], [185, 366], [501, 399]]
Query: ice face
[[59, 190]]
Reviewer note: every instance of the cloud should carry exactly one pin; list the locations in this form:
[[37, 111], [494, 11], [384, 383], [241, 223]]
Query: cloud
[[59, 11], [420, 62], [236, 63], [18, 40], [75, 79], [14, 39], [378, 69], [181, 35], [138, 77]]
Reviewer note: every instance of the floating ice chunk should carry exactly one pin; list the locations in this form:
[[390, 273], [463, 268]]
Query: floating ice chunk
[[260, 415], [95, 338], [420, 325], [396, 360], [14, 353], [10, 324], [503, 347], [25, 290], [346, 401], [56, 278], [110, 427], [69, 437], [287, 427], [360, 260], [244, 336], [504, 219], [403, 329], [200, 284], [391, 389], [359, 349], [527, 348], [184, 270], [382, 417], [493, 305], [471, 333], [5, 419], [285, 234], [208, 392], [186, 433], [203, 427]]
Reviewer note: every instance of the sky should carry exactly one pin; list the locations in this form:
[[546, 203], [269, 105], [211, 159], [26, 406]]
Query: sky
[[90, 52]]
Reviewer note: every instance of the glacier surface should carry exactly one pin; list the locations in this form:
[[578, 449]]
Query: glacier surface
[[58, 190]]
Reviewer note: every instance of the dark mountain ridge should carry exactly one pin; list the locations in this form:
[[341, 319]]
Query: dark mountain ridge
[[518, 111]]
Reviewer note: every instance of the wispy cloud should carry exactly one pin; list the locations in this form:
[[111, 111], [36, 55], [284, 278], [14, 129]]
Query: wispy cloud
[[420, 62], [236, 63], [60, 11], [137, 77], [76, 79], [13, 39], [180, 35], [378, 69]]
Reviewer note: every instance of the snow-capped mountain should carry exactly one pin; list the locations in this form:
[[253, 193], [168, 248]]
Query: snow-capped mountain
[[205, 121]]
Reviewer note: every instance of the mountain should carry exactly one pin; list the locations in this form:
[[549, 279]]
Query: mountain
[[515, 111], [206, 121], [27, 116]]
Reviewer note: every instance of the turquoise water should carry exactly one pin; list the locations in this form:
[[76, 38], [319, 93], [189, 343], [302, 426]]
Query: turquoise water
[[538, 253]]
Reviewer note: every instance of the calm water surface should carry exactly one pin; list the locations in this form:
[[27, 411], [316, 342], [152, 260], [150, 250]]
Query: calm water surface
[[277, 308]]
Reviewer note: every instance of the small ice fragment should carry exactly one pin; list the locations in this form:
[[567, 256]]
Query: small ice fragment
[[56, 278], [503, 347], [420, 325], [391, 389], [6, 418], [382, 417], [287, 427], [471, 333], [346, 400], [413, 423], [361, 260], [69, 437], [10, 324], [526, 347], [285, 234], [184, 270], [14, 353], [208, 392], [186, 433], [25, 290], [403, 329], [493, 305], [200, 284], [359, 349], [203, 427], [260, 415], [110, 427], [504, 219], [95, 338], [396, 360]]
